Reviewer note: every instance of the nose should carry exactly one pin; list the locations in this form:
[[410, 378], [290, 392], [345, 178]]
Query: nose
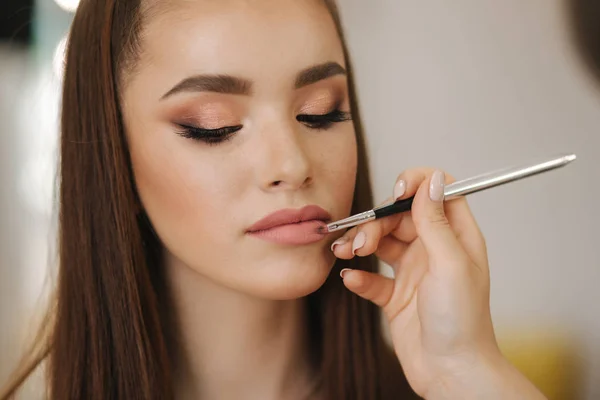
[[283, 159]]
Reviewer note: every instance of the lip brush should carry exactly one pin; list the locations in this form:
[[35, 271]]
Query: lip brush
[[455, 190]]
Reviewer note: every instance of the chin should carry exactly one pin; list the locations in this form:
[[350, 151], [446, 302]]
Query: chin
[[283, 274], [290, 278]]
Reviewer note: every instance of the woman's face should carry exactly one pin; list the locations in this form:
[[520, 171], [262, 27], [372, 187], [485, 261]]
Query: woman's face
[[239, 109]]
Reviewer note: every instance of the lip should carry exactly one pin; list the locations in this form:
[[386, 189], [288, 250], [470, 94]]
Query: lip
[[292, 226]]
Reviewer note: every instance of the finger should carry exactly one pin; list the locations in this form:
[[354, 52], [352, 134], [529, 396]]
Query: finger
[[342, 247], [400, 225], [364, 239], [367, 238], [458, 213], [390, 251], [433, 227], [460, 218], [406, 186], [467, 230], [409, 181], [409, 269], [406, 231], [368, 285]]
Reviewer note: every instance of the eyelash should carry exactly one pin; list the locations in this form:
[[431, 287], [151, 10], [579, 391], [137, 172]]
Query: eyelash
[[209, 136], [216, 136], [325, 121]]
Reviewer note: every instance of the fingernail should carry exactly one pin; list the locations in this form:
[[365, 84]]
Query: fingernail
[[436, 186], [399, 189], [359, 241], [341, 240], [342, 272]]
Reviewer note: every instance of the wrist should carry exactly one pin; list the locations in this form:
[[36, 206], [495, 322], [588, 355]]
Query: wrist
[[489, 376]]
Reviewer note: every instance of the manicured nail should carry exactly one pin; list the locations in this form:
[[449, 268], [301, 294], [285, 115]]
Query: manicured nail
[[399, 189], [342, 272], [436, 186], [359, 241], [341, 240]]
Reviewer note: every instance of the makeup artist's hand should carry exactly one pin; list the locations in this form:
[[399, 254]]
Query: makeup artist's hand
[[438, 303]]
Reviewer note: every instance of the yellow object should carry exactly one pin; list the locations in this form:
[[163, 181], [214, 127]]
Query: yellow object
[[547, 358]]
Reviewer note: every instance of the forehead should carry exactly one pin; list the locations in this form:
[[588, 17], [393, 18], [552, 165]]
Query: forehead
[[252, 38]]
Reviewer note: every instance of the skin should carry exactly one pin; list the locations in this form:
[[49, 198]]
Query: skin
[[238, 299], [437, 304], [274, 162]]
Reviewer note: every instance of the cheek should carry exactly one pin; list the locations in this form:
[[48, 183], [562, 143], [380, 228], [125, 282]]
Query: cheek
[[338, 168], [182, 190]]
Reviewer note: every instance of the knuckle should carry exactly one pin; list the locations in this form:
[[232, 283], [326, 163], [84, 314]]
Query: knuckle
[[438, 217], [449, 177], [416, 174]]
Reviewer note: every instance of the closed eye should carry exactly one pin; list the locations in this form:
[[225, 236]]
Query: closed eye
[[210, 136], [324, 121], [216, 136]]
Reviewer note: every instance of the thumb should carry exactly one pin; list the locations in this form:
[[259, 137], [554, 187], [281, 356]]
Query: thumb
[[432, 226], [369, 285]]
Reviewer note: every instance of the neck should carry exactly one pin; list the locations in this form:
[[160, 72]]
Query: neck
[[232, 345]]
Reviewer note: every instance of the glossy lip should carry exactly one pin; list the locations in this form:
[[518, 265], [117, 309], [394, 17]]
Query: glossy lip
[[292, 226]]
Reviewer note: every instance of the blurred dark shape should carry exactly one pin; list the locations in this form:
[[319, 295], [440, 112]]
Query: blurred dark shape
[[585, 23], [16, 19]]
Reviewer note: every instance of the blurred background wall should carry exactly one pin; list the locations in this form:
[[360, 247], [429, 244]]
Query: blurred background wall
[[466, 85], [474, 85]]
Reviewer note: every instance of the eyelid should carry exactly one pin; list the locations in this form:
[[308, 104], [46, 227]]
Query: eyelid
[[324, 121], [210, 112], [207, 121], [188, 125], [323, 99], [335, 113], [209, 136], [319, 107]]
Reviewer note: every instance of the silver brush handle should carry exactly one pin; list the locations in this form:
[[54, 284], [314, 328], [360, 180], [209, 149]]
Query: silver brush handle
[[458, 189], [500, 177]]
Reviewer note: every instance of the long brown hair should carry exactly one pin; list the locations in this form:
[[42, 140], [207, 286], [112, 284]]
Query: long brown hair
[[106, 335], [584, 24]]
